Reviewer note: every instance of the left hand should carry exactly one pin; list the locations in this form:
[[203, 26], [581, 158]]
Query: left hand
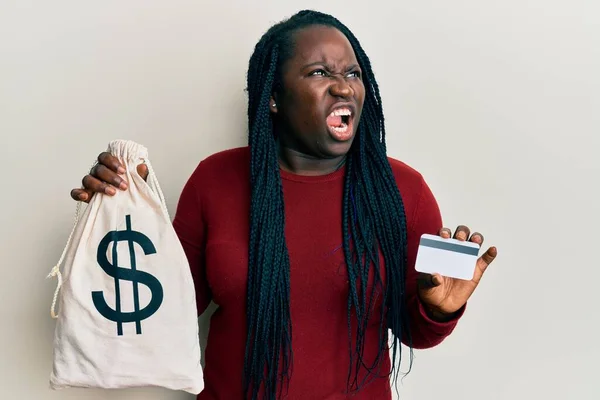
[[443, 295]]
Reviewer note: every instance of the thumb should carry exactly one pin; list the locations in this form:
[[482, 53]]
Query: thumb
[[428, 281], [483, 262], [142, 170]]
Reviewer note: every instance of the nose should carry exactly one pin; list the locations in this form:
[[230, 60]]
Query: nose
[[340, 87]]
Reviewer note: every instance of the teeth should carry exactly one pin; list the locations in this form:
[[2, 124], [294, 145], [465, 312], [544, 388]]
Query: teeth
[[340, 112], [340, 129]]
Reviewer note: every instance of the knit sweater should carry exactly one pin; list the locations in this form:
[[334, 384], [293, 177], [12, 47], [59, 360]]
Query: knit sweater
[[212, 222]]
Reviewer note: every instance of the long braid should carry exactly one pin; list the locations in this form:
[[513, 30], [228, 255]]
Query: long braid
[[373, 220], [269, 323]]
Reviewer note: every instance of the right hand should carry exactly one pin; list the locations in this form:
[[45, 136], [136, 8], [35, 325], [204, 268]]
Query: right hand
[[105, 178]]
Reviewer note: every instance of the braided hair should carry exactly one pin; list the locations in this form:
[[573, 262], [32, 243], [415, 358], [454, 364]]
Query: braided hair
[[374, 223]]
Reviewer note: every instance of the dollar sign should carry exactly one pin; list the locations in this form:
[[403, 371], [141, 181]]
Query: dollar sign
[[127, 274]]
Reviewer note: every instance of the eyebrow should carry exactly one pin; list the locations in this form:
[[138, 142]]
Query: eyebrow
[[352, 66]]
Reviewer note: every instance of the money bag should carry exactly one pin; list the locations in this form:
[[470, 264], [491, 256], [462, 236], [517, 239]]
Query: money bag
[[126, 300]]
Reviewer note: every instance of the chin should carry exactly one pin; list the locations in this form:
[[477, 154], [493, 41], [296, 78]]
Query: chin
[[335, 148]]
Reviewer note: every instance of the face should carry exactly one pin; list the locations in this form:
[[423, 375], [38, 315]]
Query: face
[[318, 108]]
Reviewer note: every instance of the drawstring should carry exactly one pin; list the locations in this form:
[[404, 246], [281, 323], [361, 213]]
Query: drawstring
[[155, 186], [55, 272]]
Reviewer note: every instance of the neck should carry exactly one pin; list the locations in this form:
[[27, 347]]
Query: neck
[[303, 164]]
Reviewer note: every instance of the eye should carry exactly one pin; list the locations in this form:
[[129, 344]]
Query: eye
[[354, 74], [320, 72]]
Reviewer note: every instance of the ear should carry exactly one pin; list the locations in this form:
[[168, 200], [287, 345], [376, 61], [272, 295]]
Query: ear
[[273, 104]]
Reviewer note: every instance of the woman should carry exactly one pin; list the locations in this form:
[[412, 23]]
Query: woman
[[306, 239]]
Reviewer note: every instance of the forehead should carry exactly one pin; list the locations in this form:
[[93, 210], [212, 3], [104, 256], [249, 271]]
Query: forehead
[[322, 43]]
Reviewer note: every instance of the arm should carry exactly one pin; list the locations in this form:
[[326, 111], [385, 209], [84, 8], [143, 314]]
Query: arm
[[427, 328], [190, 227]]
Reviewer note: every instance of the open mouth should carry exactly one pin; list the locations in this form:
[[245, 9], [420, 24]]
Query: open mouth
[[339, 123]]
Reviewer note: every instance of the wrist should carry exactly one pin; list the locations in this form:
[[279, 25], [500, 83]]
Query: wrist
[[437, 315]]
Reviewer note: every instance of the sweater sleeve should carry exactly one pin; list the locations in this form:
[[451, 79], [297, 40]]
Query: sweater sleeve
[[425, 332], [190, 227]]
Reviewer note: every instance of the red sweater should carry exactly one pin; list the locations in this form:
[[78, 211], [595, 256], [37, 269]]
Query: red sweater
[[212, 222]]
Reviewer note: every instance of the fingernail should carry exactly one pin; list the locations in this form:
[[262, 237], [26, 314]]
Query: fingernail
[[123, 185], [83, 196], [121, 170], [110, 190]]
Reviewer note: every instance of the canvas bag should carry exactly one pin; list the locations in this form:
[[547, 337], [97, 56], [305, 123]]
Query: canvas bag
[[128, 313]]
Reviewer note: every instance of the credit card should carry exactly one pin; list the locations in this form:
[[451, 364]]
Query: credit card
[[447, 257]]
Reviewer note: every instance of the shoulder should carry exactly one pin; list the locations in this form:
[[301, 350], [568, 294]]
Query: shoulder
[[220, 175], [226, 165], [419, 201], [227, 160], [408, 179]]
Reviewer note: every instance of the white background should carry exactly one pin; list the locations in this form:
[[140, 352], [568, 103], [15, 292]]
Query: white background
[[495, 102]]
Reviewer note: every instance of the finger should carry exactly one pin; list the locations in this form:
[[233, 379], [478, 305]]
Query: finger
[[428, 281], [142, 170], [102, 173], [484, 262], [462, 232], [489, 256], [436, 279], [94, 185], [81, 195], [445, 233], [111, 162], [477, 237]]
